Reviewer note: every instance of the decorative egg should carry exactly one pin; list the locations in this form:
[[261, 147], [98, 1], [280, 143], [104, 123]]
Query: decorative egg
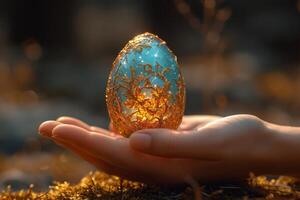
[[145, 87]]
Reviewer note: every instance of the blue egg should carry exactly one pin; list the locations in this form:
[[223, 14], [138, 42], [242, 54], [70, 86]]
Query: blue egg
[[145, 88]]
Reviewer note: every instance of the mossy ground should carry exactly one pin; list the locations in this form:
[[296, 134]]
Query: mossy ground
[[99, 185]]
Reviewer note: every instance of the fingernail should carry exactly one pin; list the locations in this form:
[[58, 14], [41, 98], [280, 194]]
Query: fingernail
[[44, 133], [56, 134], [45, 129], [140, 140]]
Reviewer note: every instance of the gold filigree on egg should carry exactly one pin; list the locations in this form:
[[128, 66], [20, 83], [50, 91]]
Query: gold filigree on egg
[[145, 88]]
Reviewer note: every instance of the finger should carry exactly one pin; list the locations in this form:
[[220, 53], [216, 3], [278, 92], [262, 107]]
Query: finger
[[118, 152], [87, 140], [157, 173], [204, 171], [143, 168], [45, 129], [100, 164], [171, 143], [104, 131], [79, 123], [193, 121], [74, 121]]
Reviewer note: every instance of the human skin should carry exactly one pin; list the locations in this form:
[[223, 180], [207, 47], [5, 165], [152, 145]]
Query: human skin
[[203, 148]]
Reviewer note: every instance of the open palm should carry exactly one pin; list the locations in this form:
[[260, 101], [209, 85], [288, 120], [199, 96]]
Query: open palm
[[204, 148]]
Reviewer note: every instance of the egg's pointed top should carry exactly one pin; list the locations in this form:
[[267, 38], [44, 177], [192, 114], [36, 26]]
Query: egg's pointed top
[[147, 35]]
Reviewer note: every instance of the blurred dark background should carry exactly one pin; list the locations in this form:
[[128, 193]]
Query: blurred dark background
[[55, 56]]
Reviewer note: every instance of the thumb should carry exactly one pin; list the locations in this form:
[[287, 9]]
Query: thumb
[[172, 143]]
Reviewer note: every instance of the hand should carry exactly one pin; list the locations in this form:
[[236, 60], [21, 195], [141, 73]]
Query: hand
[[236, 138], [204, 148]]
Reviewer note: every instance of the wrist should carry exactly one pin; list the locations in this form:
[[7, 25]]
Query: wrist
[[283, 150]]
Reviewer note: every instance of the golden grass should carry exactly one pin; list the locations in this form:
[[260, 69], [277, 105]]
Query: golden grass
[[99, 185]]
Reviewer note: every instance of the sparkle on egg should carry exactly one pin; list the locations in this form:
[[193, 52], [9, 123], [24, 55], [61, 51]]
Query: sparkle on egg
[[145, 87]]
